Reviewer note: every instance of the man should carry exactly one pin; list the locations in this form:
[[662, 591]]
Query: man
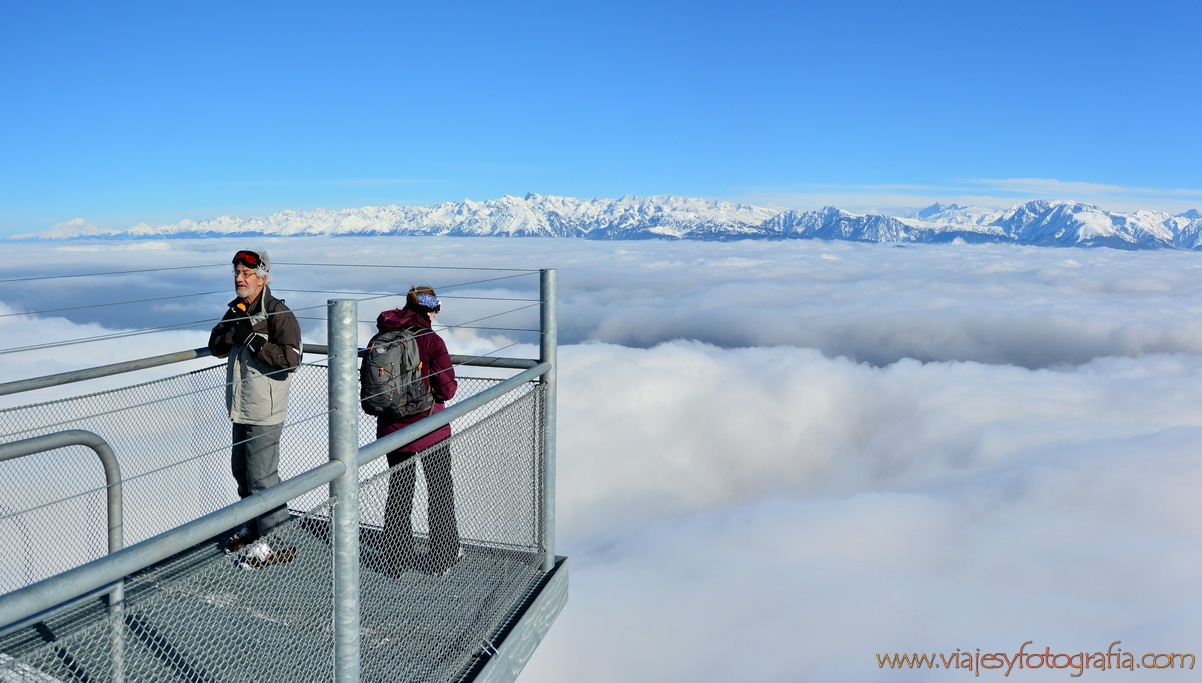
[[263, 342]]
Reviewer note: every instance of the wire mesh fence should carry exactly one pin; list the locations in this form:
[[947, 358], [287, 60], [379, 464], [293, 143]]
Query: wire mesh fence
[[172, 438], [445, 557]]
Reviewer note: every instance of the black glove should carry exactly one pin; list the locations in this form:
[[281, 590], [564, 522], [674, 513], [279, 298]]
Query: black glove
[[243, 336], [222, 332]]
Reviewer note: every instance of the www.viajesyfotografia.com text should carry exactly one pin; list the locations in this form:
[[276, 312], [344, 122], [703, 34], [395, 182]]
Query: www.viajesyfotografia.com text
[[1113, 658]]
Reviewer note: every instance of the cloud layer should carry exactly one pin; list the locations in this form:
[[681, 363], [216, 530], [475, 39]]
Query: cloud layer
[[1034, 307], [777, 460], [844, 510]]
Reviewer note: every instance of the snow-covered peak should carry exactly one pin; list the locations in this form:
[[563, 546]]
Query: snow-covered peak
[[935, 210], [956, 215], [1066, 222], [1044, 222]]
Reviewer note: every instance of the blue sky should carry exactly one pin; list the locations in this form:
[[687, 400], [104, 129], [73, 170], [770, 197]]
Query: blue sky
[[161, 111]]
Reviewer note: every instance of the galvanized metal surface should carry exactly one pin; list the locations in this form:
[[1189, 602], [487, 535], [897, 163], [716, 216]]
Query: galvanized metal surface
[[342, 329], [100, 371], [61, 378], [174, 442], [417, 430], [112, 477], [57, 589], [548, 354], [533, 622], [476, 361], [79, 437], [491, 362], [200, 616]]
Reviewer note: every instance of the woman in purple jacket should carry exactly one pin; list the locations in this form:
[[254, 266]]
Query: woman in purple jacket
[[421, 305]]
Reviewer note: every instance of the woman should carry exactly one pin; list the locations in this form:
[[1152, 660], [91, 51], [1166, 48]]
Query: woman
[[421, 305]]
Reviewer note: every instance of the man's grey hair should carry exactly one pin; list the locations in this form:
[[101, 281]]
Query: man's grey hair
[[264, 268]]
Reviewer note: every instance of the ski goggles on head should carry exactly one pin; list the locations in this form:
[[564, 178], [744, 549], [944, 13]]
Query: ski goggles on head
[[249, 259]]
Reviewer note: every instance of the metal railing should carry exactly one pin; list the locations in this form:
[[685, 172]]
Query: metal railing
[[341, 473], [47, 381], [112, 478]]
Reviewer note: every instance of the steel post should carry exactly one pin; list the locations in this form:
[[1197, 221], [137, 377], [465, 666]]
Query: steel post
[[343, 342], [549, 326]]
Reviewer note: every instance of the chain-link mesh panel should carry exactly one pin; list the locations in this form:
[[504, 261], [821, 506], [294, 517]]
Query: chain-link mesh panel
[[172, 439], [429, 606], [201, 616], [447, 554]]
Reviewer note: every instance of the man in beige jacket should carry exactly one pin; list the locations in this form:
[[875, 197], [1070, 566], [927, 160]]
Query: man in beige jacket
[[262, 340]]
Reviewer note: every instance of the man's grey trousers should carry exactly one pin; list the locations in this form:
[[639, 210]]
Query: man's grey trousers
[[255, 461]]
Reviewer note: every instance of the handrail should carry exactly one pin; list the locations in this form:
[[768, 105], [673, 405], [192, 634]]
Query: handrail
[[423, 427], [79, 437], [100, 371], [49, 592], [112, 478], [23, 385], [57, 589], [476, 361]]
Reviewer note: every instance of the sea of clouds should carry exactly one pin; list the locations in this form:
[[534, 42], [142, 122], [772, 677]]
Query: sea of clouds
[[778, 459]]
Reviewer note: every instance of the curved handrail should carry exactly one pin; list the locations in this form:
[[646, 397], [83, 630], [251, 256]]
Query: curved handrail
[[112, 477], [79, 437]]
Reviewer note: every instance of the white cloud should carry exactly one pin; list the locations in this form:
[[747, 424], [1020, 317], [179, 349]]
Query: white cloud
[[999, 193], [844, 510], [704, 427], [743, 497], [66, 229], [1051, 186]]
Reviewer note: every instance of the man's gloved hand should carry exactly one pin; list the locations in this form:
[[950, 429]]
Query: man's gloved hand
[[243, 336], [224, 332]]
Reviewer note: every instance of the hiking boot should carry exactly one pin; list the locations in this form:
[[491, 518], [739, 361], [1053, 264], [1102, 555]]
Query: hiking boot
[[262, 555], [240, 540]]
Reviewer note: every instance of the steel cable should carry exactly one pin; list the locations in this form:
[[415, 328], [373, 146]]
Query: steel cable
[[115, 303], [200, 455], [202, 323], [114, 272]]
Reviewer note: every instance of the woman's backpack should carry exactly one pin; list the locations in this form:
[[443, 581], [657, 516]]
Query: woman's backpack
[[390, 379]]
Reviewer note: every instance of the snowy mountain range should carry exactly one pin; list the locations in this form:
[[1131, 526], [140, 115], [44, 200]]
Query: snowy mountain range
[[1041, 222]]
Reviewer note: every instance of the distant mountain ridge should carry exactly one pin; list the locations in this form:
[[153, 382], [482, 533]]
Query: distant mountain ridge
[[1039, 222]]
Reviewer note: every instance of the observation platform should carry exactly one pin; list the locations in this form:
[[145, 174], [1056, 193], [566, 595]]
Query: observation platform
[[199, 615]]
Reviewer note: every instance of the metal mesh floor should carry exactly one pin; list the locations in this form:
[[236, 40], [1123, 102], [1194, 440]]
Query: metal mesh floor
[[202, 617]]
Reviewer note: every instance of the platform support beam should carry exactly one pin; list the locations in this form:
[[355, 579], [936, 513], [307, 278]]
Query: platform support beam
[[343, 343], [549, 326]]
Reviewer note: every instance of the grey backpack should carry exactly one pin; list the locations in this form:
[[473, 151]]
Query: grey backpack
[[390, 379]]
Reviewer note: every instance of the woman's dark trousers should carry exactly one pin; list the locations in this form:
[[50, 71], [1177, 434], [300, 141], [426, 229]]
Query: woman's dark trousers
[[398, 513]]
